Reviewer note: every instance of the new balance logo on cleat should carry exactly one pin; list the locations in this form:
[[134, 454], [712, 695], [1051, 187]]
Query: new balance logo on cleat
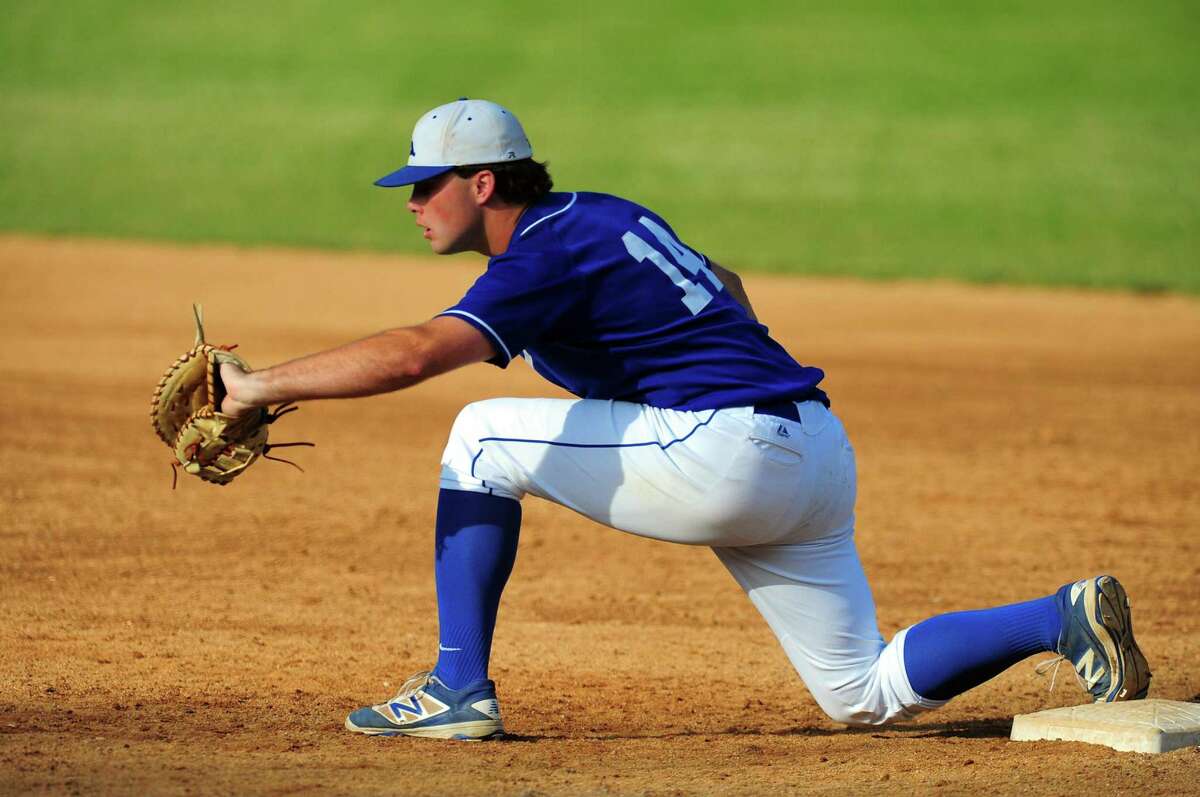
[[1089, 669], [489, 707], [418, 707]]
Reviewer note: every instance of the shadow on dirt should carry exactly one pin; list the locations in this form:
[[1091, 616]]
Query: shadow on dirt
[[987, 728]]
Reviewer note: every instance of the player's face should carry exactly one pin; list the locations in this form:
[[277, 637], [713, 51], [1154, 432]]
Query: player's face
[[448, 213]]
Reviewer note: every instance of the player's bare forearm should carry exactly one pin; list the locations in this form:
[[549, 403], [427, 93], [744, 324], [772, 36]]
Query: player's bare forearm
[[383, 362], [387, 361], [733, 284]]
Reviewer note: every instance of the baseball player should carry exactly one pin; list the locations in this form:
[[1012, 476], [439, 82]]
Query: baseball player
[[692, 426]]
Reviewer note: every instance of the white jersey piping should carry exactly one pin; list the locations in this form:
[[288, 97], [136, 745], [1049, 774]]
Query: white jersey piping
[[483, 324], [574, 196]]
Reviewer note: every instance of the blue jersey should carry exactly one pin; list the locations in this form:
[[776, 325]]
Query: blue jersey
[[604, 300]]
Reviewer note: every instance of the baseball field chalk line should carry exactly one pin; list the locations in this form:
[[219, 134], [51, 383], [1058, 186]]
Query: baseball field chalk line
[[1138, 726]]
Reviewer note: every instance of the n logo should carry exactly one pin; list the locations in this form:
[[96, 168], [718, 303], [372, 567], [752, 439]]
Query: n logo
[[1088, 669], [413, 707]]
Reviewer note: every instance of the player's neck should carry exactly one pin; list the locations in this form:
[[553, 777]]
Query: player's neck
[[499, 224]]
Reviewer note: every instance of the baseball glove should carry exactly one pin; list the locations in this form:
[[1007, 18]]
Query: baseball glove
[[186, 415]]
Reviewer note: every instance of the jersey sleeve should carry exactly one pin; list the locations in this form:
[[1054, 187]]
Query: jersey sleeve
[[519, 300]]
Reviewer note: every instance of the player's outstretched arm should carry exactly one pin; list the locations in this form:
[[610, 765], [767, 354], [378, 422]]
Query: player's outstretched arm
[[387, 361], [733, 284]]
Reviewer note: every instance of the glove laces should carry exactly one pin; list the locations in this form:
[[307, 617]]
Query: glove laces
[[271, 417]]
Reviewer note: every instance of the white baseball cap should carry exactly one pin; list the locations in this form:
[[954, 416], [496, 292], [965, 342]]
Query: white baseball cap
[[460, 133]]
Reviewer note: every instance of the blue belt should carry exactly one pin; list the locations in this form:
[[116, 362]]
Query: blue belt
[[786, 408], [780, 409]]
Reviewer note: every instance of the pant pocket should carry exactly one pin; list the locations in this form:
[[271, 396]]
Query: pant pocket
[[778, 438]]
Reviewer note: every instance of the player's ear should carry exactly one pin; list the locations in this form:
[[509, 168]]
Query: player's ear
[[483, 186]]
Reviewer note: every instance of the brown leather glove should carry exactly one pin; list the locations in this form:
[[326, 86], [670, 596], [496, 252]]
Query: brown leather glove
[[185, 414]]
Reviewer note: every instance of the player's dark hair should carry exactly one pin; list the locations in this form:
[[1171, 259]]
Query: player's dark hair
[[520, 182]]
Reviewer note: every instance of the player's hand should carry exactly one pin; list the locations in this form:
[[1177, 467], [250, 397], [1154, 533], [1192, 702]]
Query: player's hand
[[237, 399]]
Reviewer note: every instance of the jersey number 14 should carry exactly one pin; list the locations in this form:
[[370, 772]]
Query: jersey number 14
[[695, 296]]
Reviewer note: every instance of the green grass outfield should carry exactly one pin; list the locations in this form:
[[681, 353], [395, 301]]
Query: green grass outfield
[[1054, 143]]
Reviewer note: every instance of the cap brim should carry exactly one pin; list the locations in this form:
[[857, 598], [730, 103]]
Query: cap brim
[[411, 174]]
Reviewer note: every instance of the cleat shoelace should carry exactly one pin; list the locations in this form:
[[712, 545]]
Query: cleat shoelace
[[414, 684], [1051, 666]]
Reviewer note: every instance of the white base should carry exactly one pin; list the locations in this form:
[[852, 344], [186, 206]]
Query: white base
[[1138, 726]]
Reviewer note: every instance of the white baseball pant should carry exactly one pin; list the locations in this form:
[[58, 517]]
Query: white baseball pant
[[773, 498]]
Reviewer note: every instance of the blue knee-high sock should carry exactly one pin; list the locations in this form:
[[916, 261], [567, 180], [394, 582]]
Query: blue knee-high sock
[[951, 653], [476, 547]]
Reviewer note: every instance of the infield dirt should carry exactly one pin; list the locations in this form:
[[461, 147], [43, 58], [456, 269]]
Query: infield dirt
[[211, 640]]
